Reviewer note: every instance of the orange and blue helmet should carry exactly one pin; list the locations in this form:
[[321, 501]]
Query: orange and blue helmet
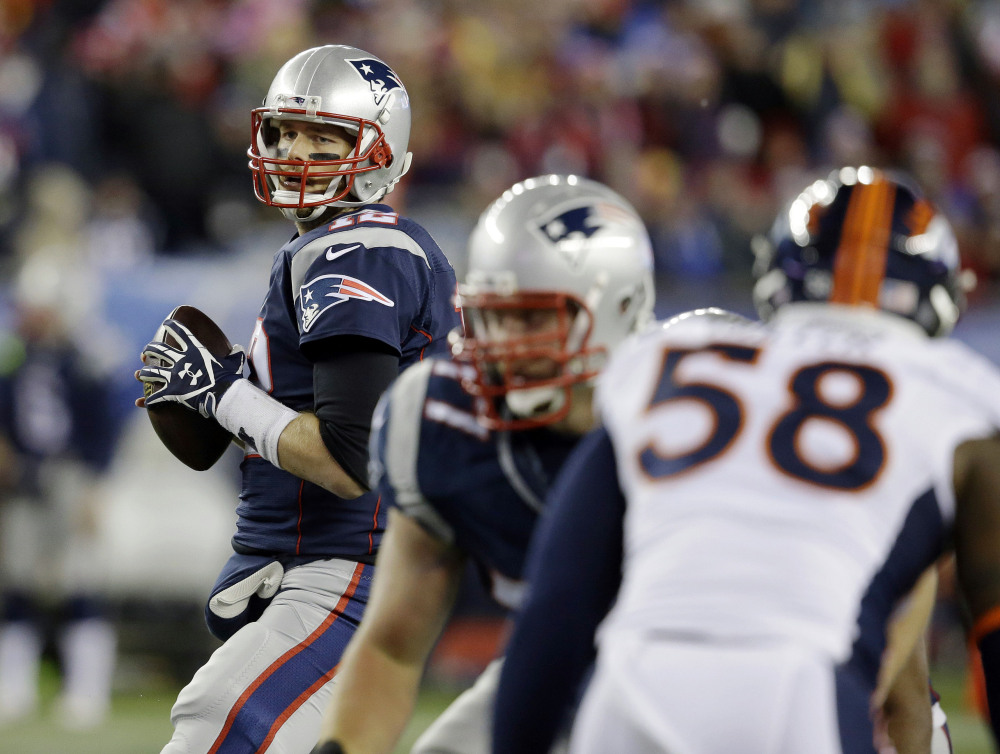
[[863, 237]]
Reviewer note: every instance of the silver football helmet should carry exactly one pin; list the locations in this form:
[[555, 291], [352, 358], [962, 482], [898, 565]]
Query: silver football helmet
[[342, 86], [561, 249]]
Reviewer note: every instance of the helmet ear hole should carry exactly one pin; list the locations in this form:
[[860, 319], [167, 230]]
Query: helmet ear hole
[[633, 308]]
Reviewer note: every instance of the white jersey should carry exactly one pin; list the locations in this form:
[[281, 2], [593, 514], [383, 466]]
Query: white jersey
[[762, 514]]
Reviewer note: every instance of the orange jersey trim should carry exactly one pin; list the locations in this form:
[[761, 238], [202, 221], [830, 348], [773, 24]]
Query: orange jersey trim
[[987, 623]]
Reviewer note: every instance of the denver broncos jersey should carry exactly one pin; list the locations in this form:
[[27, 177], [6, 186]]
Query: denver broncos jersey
[[481, 490], [368, 273], [798, 514]]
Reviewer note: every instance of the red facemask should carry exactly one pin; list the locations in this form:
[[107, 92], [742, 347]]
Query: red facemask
[[523, 342], [378, 154]]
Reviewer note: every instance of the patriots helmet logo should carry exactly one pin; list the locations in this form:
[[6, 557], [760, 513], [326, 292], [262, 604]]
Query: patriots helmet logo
[[379, 76], [573, 223], [571, 228], [326, 291]]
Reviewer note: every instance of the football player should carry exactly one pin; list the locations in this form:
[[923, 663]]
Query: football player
[[560, 271], [761, 496], [58, 435], [358, 294]]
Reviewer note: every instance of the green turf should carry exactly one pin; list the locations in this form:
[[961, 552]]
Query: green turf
[[969, 734], [139, 723]]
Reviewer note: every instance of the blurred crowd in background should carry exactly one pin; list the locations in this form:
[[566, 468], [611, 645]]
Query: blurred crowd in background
[[124, 125], [706, 114]]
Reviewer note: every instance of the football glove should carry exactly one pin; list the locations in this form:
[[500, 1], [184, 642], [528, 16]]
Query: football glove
[[186, 372]]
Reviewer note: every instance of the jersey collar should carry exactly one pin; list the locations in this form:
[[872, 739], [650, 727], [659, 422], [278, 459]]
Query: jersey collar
[[862, 318]]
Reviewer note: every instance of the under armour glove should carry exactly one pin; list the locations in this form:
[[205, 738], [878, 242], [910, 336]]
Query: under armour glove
[[189, 374]]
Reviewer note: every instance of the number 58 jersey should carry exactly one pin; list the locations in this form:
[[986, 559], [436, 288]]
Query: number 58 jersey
[[787, 481]]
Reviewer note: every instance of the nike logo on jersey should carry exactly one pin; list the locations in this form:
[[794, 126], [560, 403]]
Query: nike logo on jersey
[[314, 296], [331, 254]]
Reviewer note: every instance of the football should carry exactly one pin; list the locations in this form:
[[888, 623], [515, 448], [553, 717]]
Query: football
[[198, 442]]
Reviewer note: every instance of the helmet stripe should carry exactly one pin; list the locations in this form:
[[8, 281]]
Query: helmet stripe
[[860, 261]]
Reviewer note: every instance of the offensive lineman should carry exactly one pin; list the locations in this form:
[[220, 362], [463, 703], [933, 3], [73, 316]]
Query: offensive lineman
[[356, 296], [761, 496], [560, 271]]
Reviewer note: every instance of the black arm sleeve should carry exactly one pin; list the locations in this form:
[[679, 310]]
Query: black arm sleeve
[[573, 572], [348, 379]]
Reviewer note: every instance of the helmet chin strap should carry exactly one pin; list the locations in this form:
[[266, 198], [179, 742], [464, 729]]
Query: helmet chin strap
[[296, 214], [293, 213], [584, 320], [531, 402]]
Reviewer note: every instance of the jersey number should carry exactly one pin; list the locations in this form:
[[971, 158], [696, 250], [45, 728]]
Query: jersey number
[[368, 216], [807, 404]]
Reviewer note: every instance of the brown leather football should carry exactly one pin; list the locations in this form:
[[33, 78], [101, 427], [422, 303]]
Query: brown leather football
[[195, 440]]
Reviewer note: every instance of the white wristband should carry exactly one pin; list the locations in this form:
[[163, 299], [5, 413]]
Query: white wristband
[[252, 415]]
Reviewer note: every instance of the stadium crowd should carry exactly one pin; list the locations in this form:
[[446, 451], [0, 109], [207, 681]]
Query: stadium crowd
[[124, 125], [705, 115]]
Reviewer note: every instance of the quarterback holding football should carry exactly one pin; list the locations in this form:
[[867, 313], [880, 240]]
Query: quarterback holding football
[[358, 294]]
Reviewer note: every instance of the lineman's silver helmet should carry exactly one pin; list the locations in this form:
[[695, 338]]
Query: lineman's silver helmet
[[555, 243]]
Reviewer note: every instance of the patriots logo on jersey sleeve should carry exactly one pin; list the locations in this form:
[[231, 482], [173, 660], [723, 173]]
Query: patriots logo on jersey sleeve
[[327, 291], [379, 76]]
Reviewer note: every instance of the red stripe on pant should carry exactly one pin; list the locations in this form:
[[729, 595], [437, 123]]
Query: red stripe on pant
[[286, 657]]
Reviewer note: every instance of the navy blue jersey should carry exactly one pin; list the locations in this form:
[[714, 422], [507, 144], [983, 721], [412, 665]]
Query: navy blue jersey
[[52, 406], [481, 490], [579, 542], [369, 273]]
